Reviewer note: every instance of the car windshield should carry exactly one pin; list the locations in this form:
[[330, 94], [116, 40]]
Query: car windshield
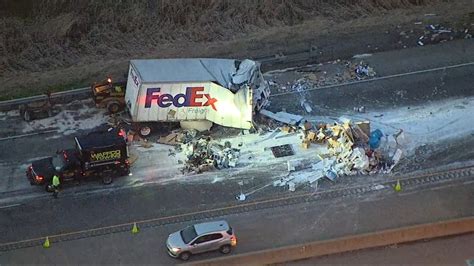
[[58, 162], [188, 234]]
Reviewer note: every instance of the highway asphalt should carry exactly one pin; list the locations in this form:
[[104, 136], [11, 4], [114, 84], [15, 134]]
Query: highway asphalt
[[40, 215], [411, 89], [256, 230]]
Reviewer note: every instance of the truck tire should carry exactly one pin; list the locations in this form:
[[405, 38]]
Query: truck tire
[[107, 179], [27, 116], [125, 172], [113, 107], [145, 131]]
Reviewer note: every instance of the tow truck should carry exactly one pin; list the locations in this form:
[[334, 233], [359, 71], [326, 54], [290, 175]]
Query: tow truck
[[99, 154]]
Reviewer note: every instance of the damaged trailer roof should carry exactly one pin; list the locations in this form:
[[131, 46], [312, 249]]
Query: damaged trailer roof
[[225, 72]]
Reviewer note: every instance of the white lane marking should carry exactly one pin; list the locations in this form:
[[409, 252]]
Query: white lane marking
[[357, 56], [378, 78], [29, 134], [10, 206]]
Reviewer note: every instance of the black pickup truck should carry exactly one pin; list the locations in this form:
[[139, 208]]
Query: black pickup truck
[[102, 154]]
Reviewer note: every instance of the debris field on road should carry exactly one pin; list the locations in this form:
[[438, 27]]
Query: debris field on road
[[310, 147]]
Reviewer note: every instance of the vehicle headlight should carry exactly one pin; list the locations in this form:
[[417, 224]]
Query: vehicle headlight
[[175, 249]]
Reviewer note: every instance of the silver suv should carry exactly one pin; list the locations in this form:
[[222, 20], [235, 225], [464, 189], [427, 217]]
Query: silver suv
[[203, 237]]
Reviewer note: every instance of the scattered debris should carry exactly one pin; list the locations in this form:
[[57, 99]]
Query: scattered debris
[[132, 158], [306, 126], [282, 150], [295, 165], [364, 71], [360, 131], [437, 33], [305, 144], [303, 86], [360, 109], [170, 139], [399, 136], [395, 160], [200, 126], [241, 197], [374, 140], [203, 154], [177, 137], [314, 76], [286, 135], [283, 117], [291, 186], [145, 144], [351, 148]]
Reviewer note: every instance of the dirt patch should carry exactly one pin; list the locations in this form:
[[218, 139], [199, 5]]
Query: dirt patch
[[76, 45]]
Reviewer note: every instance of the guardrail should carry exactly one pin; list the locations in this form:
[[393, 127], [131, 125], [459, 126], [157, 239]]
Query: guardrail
[[350, 243], [58, 97]]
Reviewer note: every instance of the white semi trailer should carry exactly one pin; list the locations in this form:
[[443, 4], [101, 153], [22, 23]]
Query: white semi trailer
[[195, 92]]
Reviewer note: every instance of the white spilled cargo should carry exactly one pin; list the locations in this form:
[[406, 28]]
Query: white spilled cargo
[[222, 91]]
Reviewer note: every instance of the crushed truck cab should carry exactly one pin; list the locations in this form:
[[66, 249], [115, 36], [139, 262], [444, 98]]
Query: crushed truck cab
[[97, 154], [195, 90]]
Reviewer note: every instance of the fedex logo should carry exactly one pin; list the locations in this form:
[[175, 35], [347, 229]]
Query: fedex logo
[[134, 77], [192, 98]]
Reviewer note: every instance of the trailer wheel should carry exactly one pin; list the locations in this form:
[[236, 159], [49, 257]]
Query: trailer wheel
[[113, 107], [145, 131]]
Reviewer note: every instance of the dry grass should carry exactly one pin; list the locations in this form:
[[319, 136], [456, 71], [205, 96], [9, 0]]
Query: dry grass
[[61, 44], [38, 35]]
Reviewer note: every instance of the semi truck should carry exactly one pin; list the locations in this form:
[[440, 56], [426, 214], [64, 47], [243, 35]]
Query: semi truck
[[195, 92], [99, 154]]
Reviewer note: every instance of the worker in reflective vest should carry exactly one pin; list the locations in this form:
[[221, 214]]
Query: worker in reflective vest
[[56, 186]]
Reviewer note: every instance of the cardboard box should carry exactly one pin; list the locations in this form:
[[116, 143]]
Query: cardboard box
[[307, 126], [305, 144], [364, 126], [170, 139], [286, 129], [311, 136], [359, 135]]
